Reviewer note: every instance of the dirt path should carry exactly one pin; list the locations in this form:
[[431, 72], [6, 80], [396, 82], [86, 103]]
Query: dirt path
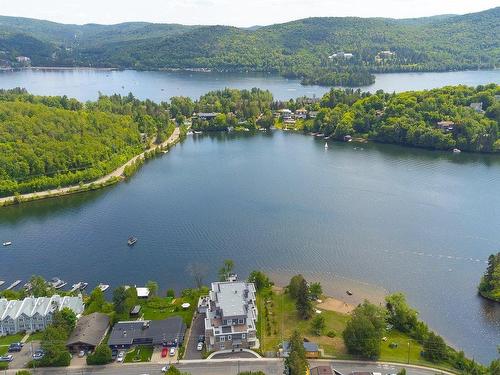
[[103, 180]]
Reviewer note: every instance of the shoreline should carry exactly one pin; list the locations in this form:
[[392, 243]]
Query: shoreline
[[111, 178]]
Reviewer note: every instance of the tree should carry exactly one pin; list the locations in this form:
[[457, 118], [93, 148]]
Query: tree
[[53, 344], [260, 280], [296, 362], [303, 302], [65, 319], [170, 293], [101, 355], [402, 372], [315, 290], [96, 302], [23, 372], [198, 271], [294, 286], [400, 314], [40, 287], [153, 287], [364, 331], [318, 325], [172, 370], [226, 269], [434, 348], [119, 298]]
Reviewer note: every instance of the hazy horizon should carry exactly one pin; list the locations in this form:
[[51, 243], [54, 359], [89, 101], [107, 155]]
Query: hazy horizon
[[222, 12]]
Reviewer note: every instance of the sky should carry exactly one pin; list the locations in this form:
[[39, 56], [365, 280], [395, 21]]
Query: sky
[[241, 13]]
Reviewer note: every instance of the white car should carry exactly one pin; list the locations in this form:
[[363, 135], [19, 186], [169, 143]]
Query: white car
[[172, 351], [164, 369], [199, 347], [120, 357]]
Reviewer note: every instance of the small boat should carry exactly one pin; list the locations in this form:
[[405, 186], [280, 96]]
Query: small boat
[[131, 241], [27, 287], [8, 243], [349, 293], [198, 132], [57, 283], [77, 286], [456, 151], [13, 285], [2, 282], [103, 287], [326, 145], [189, 133]]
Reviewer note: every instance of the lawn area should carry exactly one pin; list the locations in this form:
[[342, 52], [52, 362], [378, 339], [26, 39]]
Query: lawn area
[[6, 340], [37, 336], [157, 308], [3, 350], [281, 319], [139, 354]]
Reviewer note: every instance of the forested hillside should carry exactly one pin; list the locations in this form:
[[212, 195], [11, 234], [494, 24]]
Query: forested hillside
[[328, 51], [47, 142]]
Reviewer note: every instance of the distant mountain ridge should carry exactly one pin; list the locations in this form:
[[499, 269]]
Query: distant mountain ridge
[[298, 48]]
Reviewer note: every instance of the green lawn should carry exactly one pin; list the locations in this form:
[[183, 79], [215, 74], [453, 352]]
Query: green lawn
[[281, 319], [6, 340], [139, 354], [37, 336], [157, 308], [3, 350]]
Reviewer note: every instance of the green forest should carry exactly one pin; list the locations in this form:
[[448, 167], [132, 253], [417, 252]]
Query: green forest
[[325, 50], [50, 142]]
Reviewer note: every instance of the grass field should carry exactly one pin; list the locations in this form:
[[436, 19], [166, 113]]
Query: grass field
[[37, 336], [157, 308], [281, 320], [6, 340], [139, 354]]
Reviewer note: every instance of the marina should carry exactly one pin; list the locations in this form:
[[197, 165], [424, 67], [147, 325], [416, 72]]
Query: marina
[[13, 285]]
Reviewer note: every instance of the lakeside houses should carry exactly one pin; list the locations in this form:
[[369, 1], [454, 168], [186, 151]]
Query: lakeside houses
[[207, 116], [34, 314], [166, 332], [301, 113], [230, 316], [478, 107], [89, 332], [342, 55], [25, 60], [445, 125], [142, 292]]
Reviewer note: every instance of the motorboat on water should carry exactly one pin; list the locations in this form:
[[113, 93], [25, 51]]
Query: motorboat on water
[[7, 243], [57, 283], [103, 287], [131, 241], [326, 145]]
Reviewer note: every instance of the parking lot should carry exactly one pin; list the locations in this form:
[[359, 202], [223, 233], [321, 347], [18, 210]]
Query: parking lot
[[24, 356], [197, 329]]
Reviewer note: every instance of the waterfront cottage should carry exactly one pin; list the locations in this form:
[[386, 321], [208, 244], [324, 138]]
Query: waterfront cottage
[[446, 125], [231, 316], [89, 332], [34, 314]]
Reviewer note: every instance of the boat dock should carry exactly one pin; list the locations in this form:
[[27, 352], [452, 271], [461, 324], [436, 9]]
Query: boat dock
[[13, 285], [2, 282]]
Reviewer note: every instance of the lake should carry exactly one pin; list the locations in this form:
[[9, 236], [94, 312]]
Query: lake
[[370, 218], [85, 84]]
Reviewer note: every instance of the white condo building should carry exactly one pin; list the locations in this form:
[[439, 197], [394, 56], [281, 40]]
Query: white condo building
[[34, 314]]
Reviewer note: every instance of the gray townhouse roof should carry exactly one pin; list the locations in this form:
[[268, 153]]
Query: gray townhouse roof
[[232, 298], [90, 329], [30, 306], [150, 331]]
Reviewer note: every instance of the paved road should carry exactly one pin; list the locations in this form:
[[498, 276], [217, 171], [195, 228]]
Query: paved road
[[197, 329], [116, 173], [223, 367]]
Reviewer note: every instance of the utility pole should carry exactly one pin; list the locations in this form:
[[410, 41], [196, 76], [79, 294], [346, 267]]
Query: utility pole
[[408, 351]]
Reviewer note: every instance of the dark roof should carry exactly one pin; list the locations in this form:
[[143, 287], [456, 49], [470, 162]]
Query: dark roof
[[308, 346], [90, 329], [152, 331], [321, 370], [136, 309]]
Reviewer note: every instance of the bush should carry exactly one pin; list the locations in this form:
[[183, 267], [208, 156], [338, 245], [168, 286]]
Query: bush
[[434, 348], [23, 372], [171, 293], [331, 334], [101, 355]]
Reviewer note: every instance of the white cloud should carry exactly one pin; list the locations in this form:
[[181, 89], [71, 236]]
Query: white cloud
[[230, 12]]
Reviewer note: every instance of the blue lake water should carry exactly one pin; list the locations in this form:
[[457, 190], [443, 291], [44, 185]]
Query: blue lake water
[[403, 219]]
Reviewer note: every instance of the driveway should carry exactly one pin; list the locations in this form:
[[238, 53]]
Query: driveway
[[197, 329], [24, 356]]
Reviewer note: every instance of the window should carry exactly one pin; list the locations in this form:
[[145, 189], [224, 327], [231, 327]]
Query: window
[[224, 322], [222, 338], [241, 321], [235, 321], [243, 336], [229, 338]]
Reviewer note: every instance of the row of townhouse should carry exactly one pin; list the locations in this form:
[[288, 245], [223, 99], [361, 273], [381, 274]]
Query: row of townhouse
[[34, 314], [231, 316]]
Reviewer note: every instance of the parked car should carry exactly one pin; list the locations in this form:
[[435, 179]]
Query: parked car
[[38, 354], [114, 353], [172, 351], [120, 357], [164, 352], [81, 353], [199, 347], [7, 358], [164, 368], [201, 338], [15, 347]]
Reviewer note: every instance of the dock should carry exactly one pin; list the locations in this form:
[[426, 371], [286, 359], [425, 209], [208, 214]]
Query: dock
[[13, 285], [2, 282]]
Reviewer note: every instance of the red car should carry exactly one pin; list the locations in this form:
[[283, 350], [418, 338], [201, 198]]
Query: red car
[[164, 352]]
